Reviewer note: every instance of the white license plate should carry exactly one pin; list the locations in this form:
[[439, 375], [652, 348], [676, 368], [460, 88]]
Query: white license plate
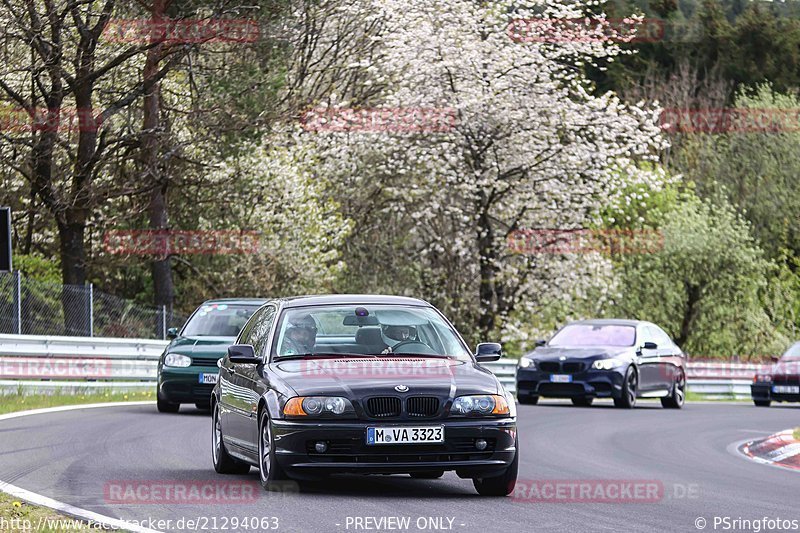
[[208, 379], [786, 389], [405, 435], [560, 378]]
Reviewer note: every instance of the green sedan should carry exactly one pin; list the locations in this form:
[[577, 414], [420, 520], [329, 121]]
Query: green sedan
[[187, 370]]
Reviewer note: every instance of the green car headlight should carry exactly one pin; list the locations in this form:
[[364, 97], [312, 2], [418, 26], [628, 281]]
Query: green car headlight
[[177, 360]]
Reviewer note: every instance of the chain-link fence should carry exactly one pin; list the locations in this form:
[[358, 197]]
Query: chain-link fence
[[32, 307]]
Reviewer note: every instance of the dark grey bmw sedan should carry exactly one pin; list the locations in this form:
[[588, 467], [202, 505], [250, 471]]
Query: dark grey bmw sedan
[[353, 384], [605, 358]]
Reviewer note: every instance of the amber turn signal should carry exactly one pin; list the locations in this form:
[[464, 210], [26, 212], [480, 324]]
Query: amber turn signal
[[500, 405], [294, 407]]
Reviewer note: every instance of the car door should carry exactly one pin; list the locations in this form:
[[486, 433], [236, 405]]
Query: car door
[[648, 360], [671, 357], [249, 376], [234, 395]]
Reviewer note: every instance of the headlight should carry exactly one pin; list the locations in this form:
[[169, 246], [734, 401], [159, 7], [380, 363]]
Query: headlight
[[174, 359], [763, 377], [607, 364], [486, 404], [524, 362], [318, 406]]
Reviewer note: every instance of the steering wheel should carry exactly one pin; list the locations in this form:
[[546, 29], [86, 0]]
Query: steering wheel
[[413, 347]]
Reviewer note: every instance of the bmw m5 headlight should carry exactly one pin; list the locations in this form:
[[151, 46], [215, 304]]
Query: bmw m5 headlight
[[177, 360], [524, 362], [607, 364], [318, 406], [485, 404]]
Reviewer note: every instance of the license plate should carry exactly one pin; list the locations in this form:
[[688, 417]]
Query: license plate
[[208, 379], [405, 435], [560, 378], [786, 389]]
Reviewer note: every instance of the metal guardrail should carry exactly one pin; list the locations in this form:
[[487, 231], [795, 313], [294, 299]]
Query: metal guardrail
[[43, 364], [705, 378]]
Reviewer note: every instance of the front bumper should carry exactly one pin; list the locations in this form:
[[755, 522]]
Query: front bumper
[[587, 384], [762, 391], [182, 385], [348, 452]]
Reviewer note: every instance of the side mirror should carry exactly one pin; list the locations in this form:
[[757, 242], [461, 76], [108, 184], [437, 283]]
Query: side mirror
[[172, 333], [488, 351], [648, 345], [775, 358], [242, 354], [541, 342]]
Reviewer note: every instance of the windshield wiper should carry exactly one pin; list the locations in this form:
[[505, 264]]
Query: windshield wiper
[[325, 355], [404, 354]]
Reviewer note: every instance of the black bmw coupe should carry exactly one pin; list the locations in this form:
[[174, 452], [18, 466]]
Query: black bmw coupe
[[341, 384]]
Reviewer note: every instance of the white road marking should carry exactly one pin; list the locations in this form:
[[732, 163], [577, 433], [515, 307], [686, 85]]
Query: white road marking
[[46, 410], [61, 507]]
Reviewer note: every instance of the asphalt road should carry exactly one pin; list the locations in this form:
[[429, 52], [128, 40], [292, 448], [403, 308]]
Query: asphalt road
[[75, 457]]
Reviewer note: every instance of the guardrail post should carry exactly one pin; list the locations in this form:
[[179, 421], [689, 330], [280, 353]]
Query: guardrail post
[[163, 322], [17, 301], [91, 310]]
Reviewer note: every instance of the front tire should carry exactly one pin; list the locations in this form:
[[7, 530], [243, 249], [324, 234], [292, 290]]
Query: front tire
[[223, 463], [501, 485], [762, 403], [582, 402], [629, 387], [677, 397], [269, 471], [165, 406]]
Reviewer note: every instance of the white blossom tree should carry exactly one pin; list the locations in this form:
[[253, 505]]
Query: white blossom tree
[[530, 147], [301, 229]]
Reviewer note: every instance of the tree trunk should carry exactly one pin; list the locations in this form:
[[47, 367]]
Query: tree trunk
[[154, 171], [689, 313], [73, 273]]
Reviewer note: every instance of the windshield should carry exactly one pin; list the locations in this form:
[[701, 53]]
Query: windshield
[[793, 353], [218, 320], [594, 335], [370, 330]]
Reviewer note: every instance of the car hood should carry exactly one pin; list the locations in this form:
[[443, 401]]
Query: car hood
[[201, 346], [358, 378], [547, 353]]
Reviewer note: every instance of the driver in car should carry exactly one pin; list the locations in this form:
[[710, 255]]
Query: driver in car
[[301, 336], [394, 335]]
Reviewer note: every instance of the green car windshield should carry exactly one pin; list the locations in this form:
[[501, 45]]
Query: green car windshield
[[218, 320], [370, 330]]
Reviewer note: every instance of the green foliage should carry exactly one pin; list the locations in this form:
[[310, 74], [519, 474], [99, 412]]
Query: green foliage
[[707, 285], [38, 268], [757, 171], [749, 41]]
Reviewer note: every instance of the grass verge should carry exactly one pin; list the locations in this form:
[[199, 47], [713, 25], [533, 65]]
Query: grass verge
[[698, 397], [10, 403], [19, 516], [796, 433]]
